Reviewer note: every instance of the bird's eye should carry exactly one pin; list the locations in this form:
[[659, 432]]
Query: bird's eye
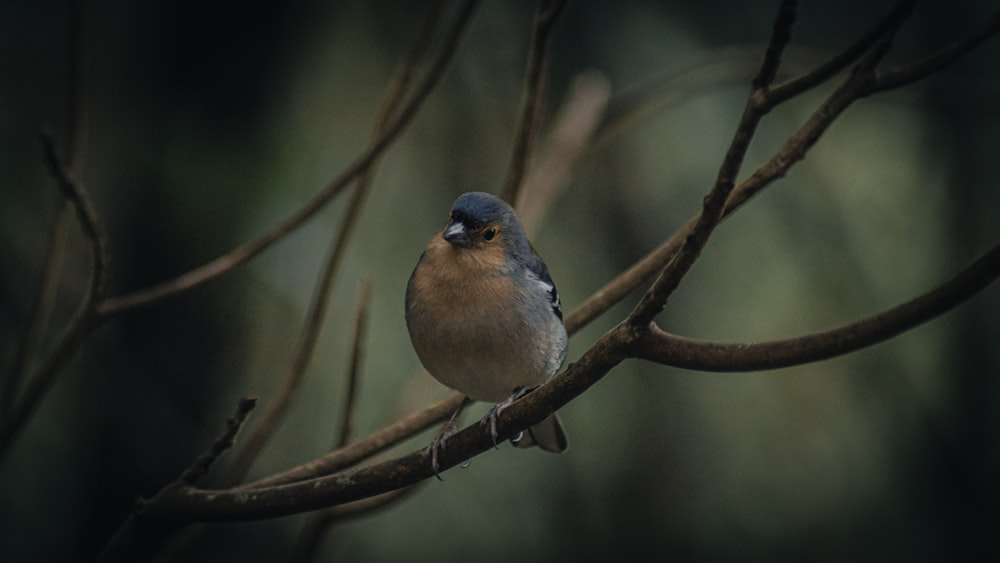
[[489, 234]]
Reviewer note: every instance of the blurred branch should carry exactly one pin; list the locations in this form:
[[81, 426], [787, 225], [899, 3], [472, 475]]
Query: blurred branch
[[72, 187], [354, 372], [41, 306], [76, 133], [668, 349], [318, 524], [569, 138], [227, 262], [86, 317], [317, 527], [546, 15]]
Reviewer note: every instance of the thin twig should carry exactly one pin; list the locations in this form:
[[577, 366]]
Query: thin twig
[[842, 60], [781, 34], [41, 306], [227, 262], [85, 319], [677, 351], [319, 524], [79, 120], [354, 372], [918, 70], [73, 188], [278, 405], [225, 441], [408, 426], [534, 92], [857, 85], [71, 167]]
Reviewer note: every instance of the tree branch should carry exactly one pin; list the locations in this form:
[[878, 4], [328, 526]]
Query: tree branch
[[546, 15], [918, 70], [568, 139], [845, 58], [318, 524], [668, 349], [221, 444], [41, 306], [86, 317]]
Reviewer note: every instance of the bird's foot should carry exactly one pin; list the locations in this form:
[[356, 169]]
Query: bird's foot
[[441, 440], [493, 414], [439, 443]]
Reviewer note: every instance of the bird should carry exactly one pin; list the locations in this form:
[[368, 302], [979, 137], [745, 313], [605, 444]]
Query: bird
[[484, 316]]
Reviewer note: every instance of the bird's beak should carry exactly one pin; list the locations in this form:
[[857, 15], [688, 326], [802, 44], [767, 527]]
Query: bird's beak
[[456, 234]]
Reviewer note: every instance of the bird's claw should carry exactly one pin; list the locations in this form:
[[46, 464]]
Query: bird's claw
[[439, 443], [494, 413], [491, 417]]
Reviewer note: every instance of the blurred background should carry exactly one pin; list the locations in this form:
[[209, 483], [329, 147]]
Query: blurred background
[[210, 122]]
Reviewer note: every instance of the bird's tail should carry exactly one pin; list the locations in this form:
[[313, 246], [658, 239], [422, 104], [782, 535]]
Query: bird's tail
[[548, 434]]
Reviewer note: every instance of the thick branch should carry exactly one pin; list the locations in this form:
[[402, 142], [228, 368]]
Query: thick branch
[[668, 349]]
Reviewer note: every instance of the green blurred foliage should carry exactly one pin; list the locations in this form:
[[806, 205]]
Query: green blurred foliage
[[209, 122]]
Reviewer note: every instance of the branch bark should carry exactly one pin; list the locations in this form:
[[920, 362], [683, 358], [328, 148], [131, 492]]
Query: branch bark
[[668, 349]]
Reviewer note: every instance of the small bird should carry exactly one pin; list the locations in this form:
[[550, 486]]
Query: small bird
[[484, 316]]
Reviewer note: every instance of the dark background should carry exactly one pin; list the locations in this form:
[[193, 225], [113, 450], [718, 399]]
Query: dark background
[[211, 121]]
